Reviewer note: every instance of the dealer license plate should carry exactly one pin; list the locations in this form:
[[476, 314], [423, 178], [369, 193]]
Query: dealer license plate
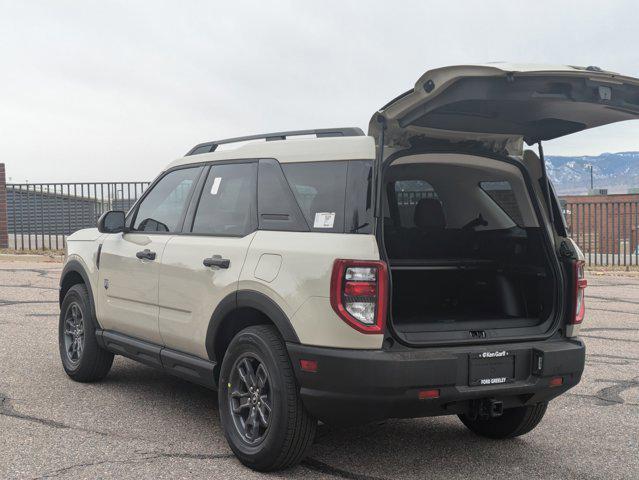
[[491, 368]]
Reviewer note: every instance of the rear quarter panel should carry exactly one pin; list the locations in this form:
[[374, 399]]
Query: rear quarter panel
[[301, 284]]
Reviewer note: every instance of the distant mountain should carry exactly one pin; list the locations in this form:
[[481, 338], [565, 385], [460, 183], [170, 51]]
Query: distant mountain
[[615, 171]]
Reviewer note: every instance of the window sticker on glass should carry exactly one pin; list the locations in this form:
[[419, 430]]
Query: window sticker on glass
[[324, 220], [216, 185]]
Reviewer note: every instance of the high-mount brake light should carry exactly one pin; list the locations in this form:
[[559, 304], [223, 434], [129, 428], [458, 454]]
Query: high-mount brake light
[[580, 284], [359, 293]]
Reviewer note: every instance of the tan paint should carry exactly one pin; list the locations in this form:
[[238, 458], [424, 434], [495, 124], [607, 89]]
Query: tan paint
[[189, 291], [130, 303], [294, 150], [268, 267], [304, 278]]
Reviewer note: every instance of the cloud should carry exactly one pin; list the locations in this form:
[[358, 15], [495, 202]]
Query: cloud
[[115, 90]]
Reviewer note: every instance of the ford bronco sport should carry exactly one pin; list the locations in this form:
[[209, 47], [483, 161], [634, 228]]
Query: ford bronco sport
[[422, 269]]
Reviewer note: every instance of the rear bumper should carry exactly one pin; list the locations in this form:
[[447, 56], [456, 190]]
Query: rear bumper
[[353, 386]]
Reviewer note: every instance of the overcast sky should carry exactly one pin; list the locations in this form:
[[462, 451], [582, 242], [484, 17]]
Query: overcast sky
[[106, 90]]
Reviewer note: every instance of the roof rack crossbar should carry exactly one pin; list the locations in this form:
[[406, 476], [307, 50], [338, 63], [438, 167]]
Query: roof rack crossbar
[[269, 137]]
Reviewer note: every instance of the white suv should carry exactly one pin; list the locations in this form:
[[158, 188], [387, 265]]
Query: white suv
[[424, 269]]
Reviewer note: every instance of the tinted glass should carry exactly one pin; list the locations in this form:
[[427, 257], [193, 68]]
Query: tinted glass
[[162, 208], [278, 209], [320, 189], [359, 197], [502, 194], [227, 204], [407, 194]]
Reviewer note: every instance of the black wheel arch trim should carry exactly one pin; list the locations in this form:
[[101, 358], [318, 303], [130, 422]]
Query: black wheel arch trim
[[77, 267], [249, 299]]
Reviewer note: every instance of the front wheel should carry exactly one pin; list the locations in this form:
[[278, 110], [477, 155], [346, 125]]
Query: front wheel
[[512, 423], [264, 420], [82, 358]]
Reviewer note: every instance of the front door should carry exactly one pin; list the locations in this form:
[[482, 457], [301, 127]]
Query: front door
[[130, 261], [202, 266]]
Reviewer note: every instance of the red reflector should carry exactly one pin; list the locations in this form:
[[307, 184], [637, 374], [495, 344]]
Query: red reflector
[[580, 284], [426, 394], [308, 365], [556, 381], [360, 289]]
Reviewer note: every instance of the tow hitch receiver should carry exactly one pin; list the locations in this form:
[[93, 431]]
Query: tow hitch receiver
[[486, 408]]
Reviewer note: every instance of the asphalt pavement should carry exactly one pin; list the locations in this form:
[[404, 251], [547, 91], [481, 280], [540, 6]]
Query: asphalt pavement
[[141, 423]]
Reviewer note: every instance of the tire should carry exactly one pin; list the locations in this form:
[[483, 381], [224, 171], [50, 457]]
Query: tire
[[512, 423], [87, 361], [283, 442]]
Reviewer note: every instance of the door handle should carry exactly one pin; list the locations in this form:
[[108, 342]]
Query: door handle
[[216, 261], [146, 254]]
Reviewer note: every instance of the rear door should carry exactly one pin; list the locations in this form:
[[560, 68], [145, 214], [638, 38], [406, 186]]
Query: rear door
[[202, 266], [130, 262], [499, 105]]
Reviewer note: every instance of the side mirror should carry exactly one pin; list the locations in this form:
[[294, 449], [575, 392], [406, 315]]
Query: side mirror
[[111, 222]]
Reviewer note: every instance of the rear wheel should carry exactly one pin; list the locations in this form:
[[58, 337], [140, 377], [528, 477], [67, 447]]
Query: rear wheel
[[512, 423], [82, 358], [264, 420]]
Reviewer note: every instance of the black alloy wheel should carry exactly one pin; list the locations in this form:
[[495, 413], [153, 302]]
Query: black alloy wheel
[[250, 398], [73, 333]]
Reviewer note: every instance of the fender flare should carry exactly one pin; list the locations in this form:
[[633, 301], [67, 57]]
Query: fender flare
[[77, 267], [249, 299]]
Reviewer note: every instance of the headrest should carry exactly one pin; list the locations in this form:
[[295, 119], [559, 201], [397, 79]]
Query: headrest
[[429, 214]]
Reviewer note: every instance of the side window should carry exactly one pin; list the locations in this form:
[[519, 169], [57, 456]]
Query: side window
[[227, 205], [358, 215], [407, 194], [502, 194], [561, 227], [162, 208], [278, 209], [320, 190]]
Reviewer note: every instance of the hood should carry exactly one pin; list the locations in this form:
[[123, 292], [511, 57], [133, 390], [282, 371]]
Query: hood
[[503, 105]]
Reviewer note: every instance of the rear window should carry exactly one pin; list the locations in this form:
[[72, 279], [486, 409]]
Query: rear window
[[407, 194], [320, 189], [502, 194], [328, 196]]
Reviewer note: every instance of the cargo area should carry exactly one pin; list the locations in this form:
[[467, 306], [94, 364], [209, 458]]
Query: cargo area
[[466, 251]]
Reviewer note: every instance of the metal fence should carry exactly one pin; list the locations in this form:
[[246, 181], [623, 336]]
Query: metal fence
[[607, 232], [41, 215]]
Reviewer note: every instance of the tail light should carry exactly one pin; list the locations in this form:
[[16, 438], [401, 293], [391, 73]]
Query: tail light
[[580, 283], [359, 293]]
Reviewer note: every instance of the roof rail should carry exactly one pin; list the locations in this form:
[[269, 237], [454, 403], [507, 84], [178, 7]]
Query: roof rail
[[319, 133]]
